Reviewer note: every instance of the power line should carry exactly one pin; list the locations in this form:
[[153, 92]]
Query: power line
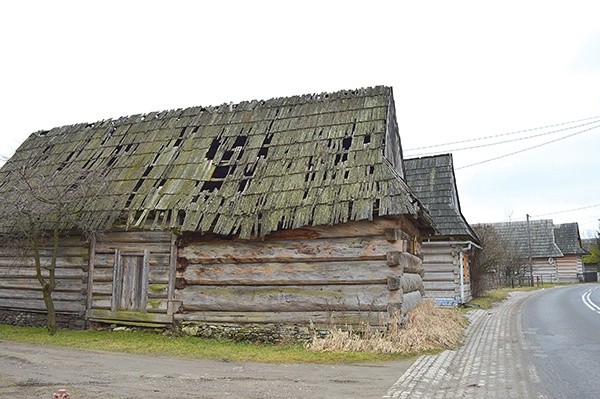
[[501, 135], [528, 148], [511, 140], [566, 211]]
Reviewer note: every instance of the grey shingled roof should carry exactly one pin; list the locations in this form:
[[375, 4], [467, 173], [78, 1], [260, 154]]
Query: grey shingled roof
[[568, 239], [542, 237], [245, 169], [432, 180]]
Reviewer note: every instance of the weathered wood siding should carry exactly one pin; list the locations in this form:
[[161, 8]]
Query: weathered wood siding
[[568, 267], [545, 269], [20, 291], [131, 278], [319, 275], [442, 274]]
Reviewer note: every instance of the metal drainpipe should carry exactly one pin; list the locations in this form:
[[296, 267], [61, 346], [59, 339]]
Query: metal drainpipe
[[461, 268]]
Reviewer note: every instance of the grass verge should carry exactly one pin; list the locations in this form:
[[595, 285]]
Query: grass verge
[[428, 328], [151, 343], [488, 298]]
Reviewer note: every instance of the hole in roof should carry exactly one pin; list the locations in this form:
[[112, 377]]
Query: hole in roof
[[347, 143], [305, 195], [344, 157], [111, 161], [160, 184], [180, 216], [263, 152], [195, 129], [212, 150], [220, 172], [240, 141], [240, 155], [227, 155], [180, 138], [338, 157], [42, 133], [249, 170], [371, 169], [242, 185], [212, 185], [367, 139], [147, 171], [346, 174]]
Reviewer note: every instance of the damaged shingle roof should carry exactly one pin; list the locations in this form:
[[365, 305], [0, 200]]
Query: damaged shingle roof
[[245, 169], [542, 237], [432, 180], [567, 238]]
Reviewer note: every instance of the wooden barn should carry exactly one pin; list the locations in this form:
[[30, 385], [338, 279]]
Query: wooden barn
[[447, 255], [286, 211], [544, 251], [569, 267]]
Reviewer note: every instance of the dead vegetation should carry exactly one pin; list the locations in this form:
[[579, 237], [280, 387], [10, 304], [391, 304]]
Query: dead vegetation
[[427, 327]]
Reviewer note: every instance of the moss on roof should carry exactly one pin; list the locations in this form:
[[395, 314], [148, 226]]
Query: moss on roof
[[245, 169]]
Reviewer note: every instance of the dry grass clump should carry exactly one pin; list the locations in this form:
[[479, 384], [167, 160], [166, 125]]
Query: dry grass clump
[[427, 327]]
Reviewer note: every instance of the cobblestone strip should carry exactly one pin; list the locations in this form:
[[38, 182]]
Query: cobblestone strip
[[490, 364]]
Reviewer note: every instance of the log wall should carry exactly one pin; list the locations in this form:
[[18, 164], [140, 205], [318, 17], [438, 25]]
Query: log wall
[[343, 274], [442, 274], [568, 267], [21, 300], [110, 281], [545, 269]]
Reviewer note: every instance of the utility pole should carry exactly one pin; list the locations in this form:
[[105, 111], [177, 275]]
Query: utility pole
[[529, 249]]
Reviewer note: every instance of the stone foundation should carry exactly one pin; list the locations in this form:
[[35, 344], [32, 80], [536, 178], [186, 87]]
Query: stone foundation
[[39, 319], [264, 333]]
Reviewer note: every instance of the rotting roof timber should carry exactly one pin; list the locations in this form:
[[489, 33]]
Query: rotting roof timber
[[246, 169]]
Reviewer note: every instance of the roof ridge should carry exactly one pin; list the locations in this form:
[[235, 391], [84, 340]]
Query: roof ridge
[[246, 105]]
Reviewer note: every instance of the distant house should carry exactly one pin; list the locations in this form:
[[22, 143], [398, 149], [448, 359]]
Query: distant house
[[570, 265], [286, 211], [447, 255], [555, 250], [588, 244]]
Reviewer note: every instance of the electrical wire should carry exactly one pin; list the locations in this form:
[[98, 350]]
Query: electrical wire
[[511, 140], [528, 148], [501, 135], [565, 211]]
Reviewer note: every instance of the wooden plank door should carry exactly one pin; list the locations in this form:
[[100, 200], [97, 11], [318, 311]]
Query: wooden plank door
[[131, 285], [130, 288]]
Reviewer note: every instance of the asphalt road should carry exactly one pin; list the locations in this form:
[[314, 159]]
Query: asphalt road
[[562, 328]]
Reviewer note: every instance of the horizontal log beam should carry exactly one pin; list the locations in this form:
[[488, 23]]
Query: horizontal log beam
[[321, 318], [318, 250], [120, 316], [296, 273], [284, 298]]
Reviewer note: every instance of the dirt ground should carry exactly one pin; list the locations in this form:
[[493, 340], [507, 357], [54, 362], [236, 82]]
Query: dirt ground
[[30, 371]]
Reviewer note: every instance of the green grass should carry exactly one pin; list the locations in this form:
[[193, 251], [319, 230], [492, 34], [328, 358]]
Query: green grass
[[488, 298], [152, 343]]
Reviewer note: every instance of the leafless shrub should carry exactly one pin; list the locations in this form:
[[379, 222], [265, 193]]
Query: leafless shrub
[[427, 327]]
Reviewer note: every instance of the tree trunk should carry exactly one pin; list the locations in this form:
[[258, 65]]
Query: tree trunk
[[51, 311]]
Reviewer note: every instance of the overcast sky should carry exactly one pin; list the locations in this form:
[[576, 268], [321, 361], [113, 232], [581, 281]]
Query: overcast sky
[[460, 70]]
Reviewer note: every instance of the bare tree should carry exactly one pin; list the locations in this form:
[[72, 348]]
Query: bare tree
[[38, 211], [499, 255]]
